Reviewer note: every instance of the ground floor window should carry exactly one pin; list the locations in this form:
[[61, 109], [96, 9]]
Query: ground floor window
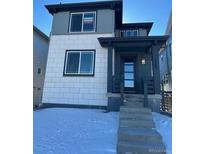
[[79, 62]]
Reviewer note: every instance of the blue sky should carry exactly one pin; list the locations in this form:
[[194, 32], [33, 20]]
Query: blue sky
[[156, 11]]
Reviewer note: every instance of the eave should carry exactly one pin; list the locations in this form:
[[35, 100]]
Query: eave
[[54, 8], [132, 41]]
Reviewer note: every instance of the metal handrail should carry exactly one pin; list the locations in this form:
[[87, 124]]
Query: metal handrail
[[145, 95], [123, 32]]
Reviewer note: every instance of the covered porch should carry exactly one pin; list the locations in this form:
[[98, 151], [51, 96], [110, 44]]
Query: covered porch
[[132, 63]]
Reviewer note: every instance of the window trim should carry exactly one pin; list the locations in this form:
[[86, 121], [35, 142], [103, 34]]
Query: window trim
[[78, 73], [82, 22]]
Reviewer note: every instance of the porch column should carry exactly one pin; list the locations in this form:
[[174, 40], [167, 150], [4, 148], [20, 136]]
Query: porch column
[[156, 69], [109, 69]]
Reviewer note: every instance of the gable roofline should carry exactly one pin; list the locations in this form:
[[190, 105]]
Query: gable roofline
[[40, 33], [54, 8]]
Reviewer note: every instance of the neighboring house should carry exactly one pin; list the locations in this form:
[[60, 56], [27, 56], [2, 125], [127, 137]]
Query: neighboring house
[[40, 53], [94, 58], [166, 59]]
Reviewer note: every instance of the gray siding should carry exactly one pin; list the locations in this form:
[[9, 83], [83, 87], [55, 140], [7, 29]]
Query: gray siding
[[60, 23], [105, 21]]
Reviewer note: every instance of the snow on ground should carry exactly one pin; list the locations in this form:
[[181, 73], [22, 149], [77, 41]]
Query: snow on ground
[[75, 131], [164, 127]]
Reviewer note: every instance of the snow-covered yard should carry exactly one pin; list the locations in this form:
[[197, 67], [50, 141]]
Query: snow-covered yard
[[84, 131], [164, 127], [75, 131]]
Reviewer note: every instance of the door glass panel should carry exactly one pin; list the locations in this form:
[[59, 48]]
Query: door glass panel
[[128, 68], [129, 75], [129, 63], [129, 83]]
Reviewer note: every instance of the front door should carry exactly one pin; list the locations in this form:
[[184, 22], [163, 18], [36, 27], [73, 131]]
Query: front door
[[128, 74]]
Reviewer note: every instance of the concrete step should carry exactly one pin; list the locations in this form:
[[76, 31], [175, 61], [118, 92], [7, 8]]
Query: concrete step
[[133, 95], [133, 104], [136, 116], [137, 123], [142, 102], [124, 147], [144, 135], [127, 109], [134, 99]]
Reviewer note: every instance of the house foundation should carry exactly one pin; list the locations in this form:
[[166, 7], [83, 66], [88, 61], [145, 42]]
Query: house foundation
[[115, 101]]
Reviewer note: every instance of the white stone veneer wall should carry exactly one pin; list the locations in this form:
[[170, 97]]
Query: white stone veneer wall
[[78, 89]]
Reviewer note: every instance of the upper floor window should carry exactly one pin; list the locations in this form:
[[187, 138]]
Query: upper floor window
[[129, 33], [79, 62], [83, 22]]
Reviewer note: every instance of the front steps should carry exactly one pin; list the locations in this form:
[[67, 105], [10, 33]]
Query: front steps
[[134, 100], [140, 148], [135, 116], [136, 132], [136, 123], [139, 135], [131, 110]]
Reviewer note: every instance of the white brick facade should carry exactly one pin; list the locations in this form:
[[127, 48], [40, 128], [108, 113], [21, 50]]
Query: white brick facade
[[78, 89]]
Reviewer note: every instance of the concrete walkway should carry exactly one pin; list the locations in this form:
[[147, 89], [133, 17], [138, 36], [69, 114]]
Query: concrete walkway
[[136, 132]]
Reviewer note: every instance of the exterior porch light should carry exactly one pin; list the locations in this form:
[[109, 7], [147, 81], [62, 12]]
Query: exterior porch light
[[143, 61]]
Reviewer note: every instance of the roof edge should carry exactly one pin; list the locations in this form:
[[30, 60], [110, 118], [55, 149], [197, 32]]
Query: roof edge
[[53, 8], [40, 32], [106, 41]]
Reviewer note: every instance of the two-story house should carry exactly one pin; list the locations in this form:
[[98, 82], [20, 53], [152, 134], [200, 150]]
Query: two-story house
[[165, 60], [40, 53], [94, 58]]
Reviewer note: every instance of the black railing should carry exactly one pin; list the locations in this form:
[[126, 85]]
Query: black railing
[[148, 89], [118, 86], [166, 103], [126, 33]]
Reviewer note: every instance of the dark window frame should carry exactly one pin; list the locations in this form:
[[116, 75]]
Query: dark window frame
[[80, 74], [95, 22], [39, 71], [131, 31]]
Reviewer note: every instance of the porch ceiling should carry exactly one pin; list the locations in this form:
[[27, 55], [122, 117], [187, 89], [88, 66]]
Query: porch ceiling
[[140, 41]]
